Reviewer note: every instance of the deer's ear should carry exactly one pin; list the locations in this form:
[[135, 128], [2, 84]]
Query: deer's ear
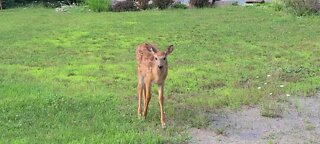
[[150, 48], [169, 50]]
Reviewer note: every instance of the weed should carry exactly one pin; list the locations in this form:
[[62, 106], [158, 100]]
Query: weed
[[270, 142], [270, 108], [309, 126], [220, 130]]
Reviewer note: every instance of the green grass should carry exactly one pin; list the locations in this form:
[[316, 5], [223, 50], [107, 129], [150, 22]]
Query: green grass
[[71, 77]]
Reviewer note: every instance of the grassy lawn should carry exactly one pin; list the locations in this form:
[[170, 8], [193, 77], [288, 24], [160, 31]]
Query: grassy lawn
[[71, 77]]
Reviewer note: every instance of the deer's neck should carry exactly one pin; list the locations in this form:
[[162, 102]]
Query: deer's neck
[[159, 75]]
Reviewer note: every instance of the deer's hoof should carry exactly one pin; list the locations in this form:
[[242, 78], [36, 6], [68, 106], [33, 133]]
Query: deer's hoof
[[163, 125], [139, 114]]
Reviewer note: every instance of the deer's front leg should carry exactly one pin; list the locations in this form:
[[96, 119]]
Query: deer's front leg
[[161, 98], [140, 92], [147, 97]]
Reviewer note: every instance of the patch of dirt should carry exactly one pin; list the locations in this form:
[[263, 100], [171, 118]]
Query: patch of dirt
[[300, 123]]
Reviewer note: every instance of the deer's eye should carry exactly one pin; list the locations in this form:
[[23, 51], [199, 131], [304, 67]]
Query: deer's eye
[[156, 58], [164, 58]]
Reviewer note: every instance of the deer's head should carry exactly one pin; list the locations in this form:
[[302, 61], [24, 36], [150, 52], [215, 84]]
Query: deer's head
[[160, 58]]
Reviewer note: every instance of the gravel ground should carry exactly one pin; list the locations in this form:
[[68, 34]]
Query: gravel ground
[[300, 123]]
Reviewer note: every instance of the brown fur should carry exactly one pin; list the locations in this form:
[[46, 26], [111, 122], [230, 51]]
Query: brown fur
[[152, 68]]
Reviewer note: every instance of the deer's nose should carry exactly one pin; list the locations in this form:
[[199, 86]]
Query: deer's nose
[[160, 66]]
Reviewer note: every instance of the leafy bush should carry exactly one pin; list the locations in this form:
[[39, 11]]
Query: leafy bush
[[8, 3], [201, 3], [298, 7], [303, 7], [179, 6], [99, 5], [127, 5], [143, 4], [46, 3], [162, 4]]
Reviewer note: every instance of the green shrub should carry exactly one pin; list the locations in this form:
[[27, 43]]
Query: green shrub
[[303, 7], [179, 6], [143, 4], [127, 5], [298, 7], [162, 4], [8, 4], [46, 3], [99, 5], [200, 3]]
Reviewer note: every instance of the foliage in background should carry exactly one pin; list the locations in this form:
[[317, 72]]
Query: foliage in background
[[121, 6], [298, 7], [201, 3], [162, 4], [99, 5], [46, 3], [143, 4], [179, 5]]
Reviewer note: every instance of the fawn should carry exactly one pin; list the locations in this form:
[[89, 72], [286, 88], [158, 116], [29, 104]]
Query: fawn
[[152, 68]]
